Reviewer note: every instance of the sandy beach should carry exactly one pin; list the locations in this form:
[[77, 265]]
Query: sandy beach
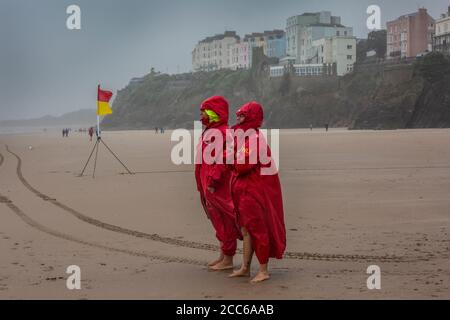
[[352, 199]]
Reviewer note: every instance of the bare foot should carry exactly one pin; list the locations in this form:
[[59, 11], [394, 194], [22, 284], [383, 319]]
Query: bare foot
[[242, 272], [213, 263], [260, 277], [222, 265]]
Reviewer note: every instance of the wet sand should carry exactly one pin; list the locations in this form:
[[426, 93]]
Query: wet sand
[[352, 199]]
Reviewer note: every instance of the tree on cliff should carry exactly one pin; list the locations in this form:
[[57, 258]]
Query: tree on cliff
[[377, 40]]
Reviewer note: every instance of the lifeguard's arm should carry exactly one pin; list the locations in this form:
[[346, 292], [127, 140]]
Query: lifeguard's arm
[[219, 169], [216, 173]]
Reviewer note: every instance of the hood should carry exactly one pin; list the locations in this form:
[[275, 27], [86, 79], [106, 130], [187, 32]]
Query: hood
[[219, 105], [254, 115]]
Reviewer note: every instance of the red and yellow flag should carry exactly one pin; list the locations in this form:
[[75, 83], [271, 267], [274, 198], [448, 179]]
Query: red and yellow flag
[[103, 98]]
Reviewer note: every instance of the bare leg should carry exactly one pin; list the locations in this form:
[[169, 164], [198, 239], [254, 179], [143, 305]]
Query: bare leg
[[262, 275], [244, 271]]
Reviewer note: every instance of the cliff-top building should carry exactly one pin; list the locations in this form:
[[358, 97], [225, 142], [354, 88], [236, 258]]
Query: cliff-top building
[[337, 51], [213, 53], [410, 35], [240, 55], [441, 39], [302, 30]]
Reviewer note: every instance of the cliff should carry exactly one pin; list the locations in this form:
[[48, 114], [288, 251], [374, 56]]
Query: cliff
[[373, 97]]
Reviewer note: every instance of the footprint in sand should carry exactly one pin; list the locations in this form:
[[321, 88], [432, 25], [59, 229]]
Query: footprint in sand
[[54, 278], [48, 269]]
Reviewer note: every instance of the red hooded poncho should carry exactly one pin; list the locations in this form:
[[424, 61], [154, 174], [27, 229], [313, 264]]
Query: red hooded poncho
[[258, 198], [218, 205]]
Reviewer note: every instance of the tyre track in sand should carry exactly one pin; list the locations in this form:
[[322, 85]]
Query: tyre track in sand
[[198, 245], [36, 225]]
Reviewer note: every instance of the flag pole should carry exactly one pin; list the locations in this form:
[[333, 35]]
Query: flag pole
[[98, 126], [98, 116], [99, 139]]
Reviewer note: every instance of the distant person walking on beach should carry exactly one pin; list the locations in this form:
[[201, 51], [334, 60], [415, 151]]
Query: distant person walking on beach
[[257, 195], [213, 182], [326, 127], [91, 133]]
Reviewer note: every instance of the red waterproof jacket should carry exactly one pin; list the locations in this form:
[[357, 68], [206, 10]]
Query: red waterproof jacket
[[218, 205], [257, 197]]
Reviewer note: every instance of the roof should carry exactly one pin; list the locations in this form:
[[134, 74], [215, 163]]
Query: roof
[[318, 24], [227, 34], [411, 15], [266, 33]]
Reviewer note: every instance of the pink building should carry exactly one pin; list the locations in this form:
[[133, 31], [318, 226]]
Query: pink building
[[410, 35], [240, 55]]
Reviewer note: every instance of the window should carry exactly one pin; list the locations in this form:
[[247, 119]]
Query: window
[[349, 47], [349, 57], [338, 33], [345, 32]]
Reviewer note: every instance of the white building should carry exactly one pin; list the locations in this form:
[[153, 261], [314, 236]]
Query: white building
[[332, 56], [300, 70], [214, 53], [303, 70], [338, 50], [441, 39], [277, 71], [303, 29]]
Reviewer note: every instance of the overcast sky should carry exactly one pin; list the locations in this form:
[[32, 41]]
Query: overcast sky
[[47, 69]]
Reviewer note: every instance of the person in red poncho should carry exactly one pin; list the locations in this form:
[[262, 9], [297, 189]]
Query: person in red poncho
[[213, 179], [256, 193]]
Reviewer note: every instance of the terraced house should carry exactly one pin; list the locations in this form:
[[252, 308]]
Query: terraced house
[[441, 39], [214, 53], [410, 35]]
